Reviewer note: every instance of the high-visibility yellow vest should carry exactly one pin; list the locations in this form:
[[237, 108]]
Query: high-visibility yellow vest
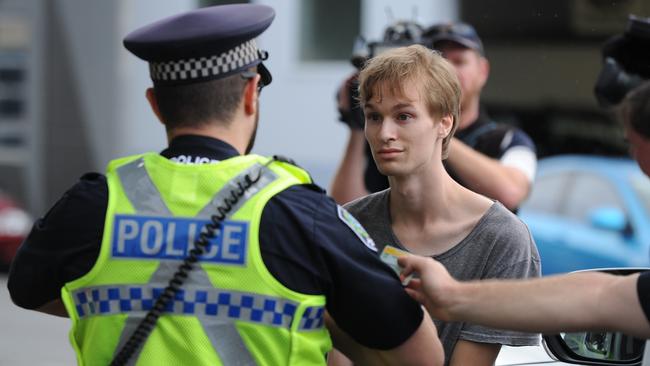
[[231, 310]]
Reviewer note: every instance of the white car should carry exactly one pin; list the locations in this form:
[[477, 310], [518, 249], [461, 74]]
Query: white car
[[585, 348]]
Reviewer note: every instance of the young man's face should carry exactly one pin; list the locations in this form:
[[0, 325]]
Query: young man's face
[[471, 69], [403, 136], [639, 148]]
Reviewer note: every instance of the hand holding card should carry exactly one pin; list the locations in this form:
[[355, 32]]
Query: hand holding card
[[389, 256]]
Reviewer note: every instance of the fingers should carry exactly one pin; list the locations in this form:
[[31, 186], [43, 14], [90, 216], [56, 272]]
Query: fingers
[[413, 263], [343, 94], [415, 284], [415, 295]]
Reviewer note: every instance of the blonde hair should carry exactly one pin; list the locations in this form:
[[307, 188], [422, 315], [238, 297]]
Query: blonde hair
[[435, 77]]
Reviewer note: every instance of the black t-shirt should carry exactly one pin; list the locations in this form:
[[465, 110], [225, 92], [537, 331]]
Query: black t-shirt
[[643, 290], [304, 244], [484, 135]]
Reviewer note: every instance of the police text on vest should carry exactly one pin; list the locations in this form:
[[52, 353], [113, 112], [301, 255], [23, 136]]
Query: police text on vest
[[149, 237]]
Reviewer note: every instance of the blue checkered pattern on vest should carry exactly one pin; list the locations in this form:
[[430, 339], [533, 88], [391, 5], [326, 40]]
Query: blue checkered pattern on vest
[[210, 302], [312, 318]]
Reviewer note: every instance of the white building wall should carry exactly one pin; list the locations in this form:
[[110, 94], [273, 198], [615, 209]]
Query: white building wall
[[137, 128], [298, 112]]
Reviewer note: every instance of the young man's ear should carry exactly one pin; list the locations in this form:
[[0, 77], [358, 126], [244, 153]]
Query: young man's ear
[[445, 125], [153, 102], [250, 95]]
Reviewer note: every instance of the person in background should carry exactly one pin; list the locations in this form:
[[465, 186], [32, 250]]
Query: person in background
[[496, 160], [206, 254]]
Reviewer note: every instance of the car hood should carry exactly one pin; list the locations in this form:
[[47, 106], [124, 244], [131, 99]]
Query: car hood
[[528, 355]]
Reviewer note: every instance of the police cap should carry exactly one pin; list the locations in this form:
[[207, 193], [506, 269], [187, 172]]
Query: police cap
[[203, 44]]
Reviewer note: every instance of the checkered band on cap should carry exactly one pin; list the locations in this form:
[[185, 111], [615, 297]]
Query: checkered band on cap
[[205, 67]]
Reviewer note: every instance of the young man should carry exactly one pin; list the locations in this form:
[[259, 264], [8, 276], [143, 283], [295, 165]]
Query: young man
[[495, 160], [573, 302], [411, 101], [204, 254]]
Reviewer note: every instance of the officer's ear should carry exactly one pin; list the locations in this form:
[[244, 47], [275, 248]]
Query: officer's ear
[[250, 95], [153, 102], [484, 70]]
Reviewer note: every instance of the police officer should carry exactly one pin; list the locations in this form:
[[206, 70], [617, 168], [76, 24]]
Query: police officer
[[204, 254]]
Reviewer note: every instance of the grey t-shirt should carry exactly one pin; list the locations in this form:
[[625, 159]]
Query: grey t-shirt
[[499, 246]]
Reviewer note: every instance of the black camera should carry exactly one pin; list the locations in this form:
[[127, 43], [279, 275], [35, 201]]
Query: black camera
[[399, 34], [626, 62]]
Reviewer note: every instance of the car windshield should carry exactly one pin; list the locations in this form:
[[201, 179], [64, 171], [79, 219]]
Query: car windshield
[[641, 185]]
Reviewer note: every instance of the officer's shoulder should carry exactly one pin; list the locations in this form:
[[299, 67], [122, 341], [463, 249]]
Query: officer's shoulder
[[291, 164], [91, 185], [92, 177]]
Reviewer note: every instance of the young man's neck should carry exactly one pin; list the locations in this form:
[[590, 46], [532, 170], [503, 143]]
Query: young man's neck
[[417, 195]]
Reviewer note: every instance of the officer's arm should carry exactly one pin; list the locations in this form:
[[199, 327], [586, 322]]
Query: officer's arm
[[54, 307], [422, 348]]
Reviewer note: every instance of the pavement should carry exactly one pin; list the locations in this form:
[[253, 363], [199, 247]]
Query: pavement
[[31, 338]]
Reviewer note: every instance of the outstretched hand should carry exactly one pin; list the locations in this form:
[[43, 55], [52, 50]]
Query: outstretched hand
[[431, 284]]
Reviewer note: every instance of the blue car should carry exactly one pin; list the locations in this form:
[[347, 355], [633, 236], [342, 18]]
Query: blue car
[[589, 212]]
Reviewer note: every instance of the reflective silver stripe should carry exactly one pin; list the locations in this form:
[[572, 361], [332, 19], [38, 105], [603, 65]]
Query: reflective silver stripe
[[130, 325], [228, 343], [267, 176], [140, 190]]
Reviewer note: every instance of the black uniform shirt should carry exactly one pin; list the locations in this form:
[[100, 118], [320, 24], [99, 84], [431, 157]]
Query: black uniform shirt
[[643, 290], [303, 242]]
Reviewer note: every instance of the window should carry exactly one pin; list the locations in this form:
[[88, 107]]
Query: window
[[588, 193], [204, 3], [328, 29], [548, 193], [641, 185]]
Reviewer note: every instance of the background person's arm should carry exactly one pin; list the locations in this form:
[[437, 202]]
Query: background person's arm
[[488, 176], [574, 302], [348, 183]]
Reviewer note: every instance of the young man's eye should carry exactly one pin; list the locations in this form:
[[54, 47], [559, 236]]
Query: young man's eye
[[404, 116]]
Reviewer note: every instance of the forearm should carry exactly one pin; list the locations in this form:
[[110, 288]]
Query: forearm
[[583, 301], [348, 181], [488, 176], [54, 307]]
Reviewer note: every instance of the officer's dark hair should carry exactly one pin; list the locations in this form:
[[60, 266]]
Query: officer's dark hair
[[635, 109], [197, 104]]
